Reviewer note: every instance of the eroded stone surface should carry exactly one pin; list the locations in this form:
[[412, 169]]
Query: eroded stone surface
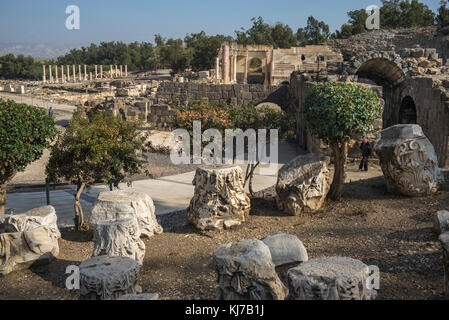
[[408, 161], [143, 296], [441, 222], [303, 184], [108, 278], [335, 278], [219, 201], [285, 249], [119, 238], [246, 272], [444, 239], [121, 204], [28, 239]]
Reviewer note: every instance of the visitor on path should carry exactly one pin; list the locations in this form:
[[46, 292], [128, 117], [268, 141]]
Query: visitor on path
[[366, 153], [51, 112]]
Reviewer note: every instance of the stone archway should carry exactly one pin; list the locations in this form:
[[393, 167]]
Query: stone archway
[[407, 111], [391, 77]]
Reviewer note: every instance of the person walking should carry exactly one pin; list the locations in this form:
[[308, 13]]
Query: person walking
[[366, 153], [51, 112]]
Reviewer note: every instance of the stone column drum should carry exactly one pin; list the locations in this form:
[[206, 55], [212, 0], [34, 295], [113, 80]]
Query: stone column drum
[[122, 204], [219, 201], [119, 238], [408, 161], [108, 278], [335, 278]]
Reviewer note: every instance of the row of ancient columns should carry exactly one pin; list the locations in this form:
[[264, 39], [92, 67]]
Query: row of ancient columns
[[55, 77], [228, 72]]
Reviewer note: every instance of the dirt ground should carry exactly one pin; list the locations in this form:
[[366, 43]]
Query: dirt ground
[[391, 232]]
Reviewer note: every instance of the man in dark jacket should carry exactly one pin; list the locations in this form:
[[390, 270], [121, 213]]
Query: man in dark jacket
[[366, 153]]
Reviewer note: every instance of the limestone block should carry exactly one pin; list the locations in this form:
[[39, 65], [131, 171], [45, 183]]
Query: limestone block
[[28, 239], [119, 238], [441, 221], [38, 217], [408, 161], [121, 204], [246, 272], [335, 278], [108, 278], [444, 239], [285, 249], [219, 200], [20, 250], [303, 184], [143, 296]]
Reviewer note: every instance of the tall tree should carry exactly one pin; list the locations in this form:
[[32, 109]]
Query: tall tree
[[405, 14], [334, 111], [25, 131], [442, 18], [316, 32], [101, 148]]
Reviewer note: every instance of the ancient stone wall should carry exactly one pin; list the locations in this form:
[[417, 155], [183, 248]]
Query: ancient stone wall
[[232, 93]]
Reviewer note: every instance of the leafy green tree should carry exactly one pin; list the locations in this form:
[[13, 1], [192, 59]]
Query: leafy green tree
[[25, 131], [356, 24], [20, 67], [175, 55], [442, 18], [204, 48], [334, 111], [316, 32], [405, 14], [283, 36], [99, 148]]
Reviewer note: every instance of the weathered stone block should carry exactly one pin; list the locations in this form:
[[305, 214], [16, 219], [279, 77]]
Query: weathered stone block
[[408, 161], [285, 249], [335, 278], [303, 184], [122, 204], [108, 278], [119, 238], [219, 200], [246, 272], [441, 221]]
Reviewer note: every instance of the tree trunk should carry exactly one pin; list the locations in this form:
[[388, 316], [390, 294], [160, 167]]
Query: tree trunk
[[5, 181], [340, 155], [79, 215], [2, 199]]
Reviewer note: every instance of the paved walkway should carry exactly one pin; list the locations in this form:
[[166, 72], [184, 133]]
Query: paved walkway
[[170, 194]]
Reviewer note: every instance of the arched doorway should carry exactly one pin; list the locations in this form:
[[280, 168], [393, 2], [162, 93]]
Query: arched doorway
[[407, 112], [390, 76]]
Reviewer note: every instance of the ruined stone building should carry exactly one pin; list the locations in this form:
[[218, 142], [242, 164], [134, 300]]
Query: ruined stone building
[[233, 65]]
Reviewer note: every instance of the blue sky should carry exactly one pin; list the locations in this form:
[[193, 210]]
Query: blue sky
[[43, 21]]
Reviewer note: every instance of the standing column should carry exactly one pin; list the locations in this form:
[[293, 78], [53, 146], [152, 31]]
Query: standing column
[[96, 72], [62, 74], [234, 75], [217, 68], [44, 80], [126, 70], [56, 74], [68, 73], [90, 76], [74, 73], [51, 75], [110, 69], [265, 83], [116, 71], [121, 71], [79, 73], [226, 64], [245, 75], [85, 72], [101, 72]]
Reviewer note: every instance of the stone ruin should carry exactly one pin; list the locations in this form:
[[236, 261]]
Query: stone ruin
[[28, 239]]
